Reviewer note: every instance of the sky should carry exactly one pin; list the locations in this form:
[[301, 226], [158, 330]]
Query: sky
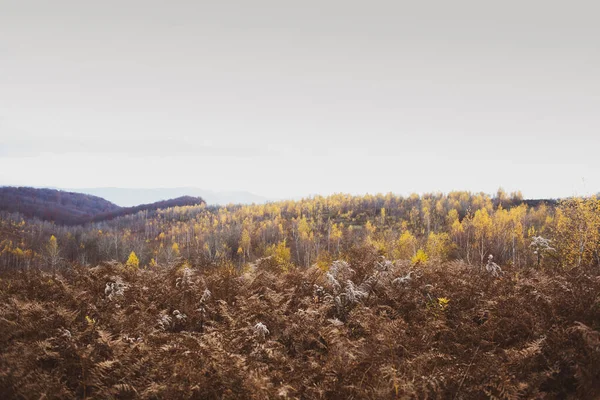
[[286, 99]]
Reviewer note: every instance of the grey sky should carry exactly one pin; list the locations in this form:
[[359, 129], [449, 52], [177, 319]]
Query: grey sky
[[289, 98]]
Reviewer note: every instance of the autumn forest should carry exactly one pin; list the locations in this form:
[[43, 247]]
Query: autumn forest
[[458, 295]]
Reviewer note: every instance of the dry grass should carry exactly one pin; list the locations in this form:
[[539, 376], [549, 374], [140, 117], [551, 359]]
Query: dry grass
[[444, 331]]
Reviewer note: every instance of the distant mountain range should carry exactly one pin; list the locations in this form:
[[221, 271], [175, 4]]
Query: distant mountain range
[[69, 208], [130, 197]]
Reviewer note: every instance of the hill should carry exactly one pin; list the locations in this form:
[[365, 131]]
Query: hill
[[69, 208], [127, 197], [53, 205], [178, 202]]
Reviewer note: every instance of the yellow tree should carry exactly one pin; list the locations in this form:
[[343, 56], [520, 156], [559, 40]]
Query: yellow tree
[[440, 212], [245, 244], [369, 232], [482, 224], [461, 233], [52, 254], [426, 208], [336, 236], [172, 252], [501, 234], [438, 246], [281, 254], [133, 261], [517, 215], [577, 227], [406, 246], [302, 236]]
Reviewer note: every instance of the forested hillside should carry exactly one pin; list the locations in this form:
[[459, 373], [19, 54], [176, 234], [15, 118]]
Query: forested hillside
[[439, 227], [53, 205], [68, 208], [182, 201]]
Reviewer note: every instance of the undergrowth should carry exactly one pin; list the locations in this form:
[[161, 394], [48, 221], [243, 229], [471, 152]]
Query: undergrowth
[[367, 328]]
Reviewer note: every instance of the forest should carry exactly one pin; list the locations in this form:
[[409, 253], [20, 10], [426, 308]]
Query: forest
[[460, 295], [69, 208]]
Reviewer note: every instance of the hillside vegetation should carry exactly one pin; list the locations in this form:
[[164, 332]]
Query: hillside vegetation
[[68, 208], [437, 227], [368, 329], [457, 296], [53, 205]]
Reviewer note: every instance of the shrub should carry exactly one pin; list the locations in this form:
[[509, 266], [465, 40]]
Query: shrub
[[420, 258]]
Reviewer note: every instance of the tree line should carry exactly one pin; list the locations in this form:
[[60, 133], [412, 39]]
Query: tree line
[[431, 227]]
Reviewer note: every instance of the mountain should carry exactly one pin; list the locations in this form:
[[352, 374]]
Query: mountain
[[69, 208], [53, 205], [129, 197]]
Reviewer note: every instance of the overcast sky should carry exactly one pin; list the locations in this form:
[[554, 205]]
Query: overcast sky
[[290, 98]]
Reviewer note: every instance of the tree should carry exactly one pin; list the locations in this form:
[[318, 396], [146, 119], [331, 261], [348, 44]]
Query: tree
[[501, 197], [483, 231], [172, 253], [303, 234], [281, 254], [406, 247], [245, 244], [369, 232], [132, 262], [336, 236], [52, 254], [438, 246], [517, 214], [577, 224]]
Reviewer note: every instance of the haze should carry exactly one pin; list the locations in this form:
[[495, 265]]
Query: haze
[[287, 99]]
